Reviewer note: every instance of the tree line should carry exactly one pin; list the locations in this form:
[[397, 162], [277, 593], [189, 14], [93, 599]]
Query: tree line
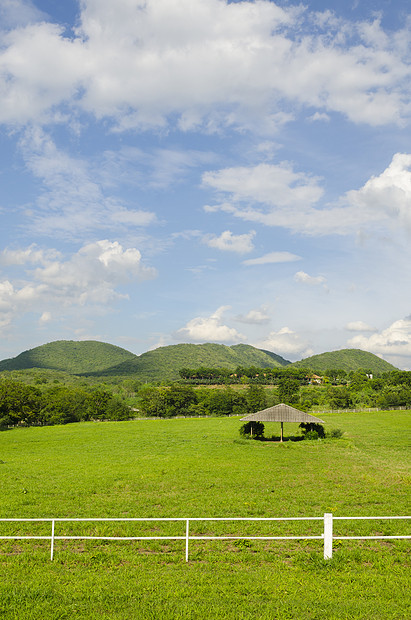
[[392, 389], [22, 404], [265, 376], [25, 404], [242, 374], [184, 400]]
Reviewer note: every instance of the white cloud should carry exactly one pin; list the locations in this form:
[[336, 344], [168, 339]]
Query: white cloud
[[73, 200], [272, 257], [255, 317], [94, 270], [319, 116], [89, 277], [387, 196], [228, 242], [303, 277], [206, 62], [209, 329], [155, 168], [50, 75], [276, 195], [271, 184], [45, 318], [17, 13], [394, 341], [286, 342], [359, 326], [32, 255]]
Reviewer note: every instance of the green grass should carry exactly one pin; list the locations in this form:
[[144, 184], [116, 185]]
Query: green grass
[[201, 467]]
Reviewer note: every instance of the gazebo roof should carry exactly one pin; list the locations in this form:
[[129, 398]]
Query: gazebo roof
[[281, 413]]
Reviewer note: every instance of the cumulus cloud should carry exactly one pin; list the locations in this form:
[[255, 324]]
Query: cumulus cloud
[[394, 341], [359, 326], [205, 62], [286, 342], [89, 277], [255, 317], [272, 257], [276, 195], [18, 13], [303, 277], [228, 242], [387, 196], [209, 329], [30, 255], [94, 271], [319, 116], [45, 318], [270, 184]]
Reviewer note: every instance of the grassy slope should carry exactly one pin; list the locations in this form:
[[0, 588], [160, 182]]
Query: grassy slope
[[198, 467], [346, 359], [98, 359], [94, 358], [165, 362], [70, 356]]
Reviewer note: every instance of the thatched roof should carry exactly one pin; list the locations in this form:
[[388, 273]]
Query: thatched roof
[[281, 413]]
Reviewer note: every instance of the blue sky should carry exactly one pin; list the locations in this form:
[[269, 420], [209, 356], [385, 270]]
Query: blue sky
[[206, 171]]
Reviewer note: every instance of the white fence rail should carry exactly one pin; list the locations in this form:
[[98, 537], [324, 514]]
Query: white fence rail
[[327, 535]]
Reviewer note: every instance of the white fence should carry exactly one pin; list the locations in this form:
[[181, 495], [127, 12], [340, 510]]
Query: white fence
[[327, 535]]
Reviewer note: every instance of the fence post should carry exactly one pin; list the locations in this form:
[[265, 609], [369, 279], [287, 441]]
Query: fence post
[[328, 536], [187, 533], [52, 541]]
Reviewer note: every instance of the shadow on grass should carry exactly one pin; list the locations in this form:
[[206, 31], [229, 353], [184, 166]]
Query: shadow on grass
[[274, 438]]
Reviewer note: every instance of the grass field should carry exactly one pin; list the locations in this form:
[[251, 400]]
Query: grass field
[[195, 468]]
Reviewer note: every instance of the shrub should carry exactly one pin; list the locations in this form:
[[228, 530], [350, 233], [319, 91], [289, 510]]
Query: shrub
[[311, 435], [256, 427], [335, 433], [312, 426], [5, 421]]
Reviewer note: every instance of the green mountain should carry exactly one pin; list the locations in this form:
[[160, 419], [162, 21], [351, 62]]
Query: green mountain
[[165, 362], [94, 358], [345, 359], [70, 356], [98, 359]]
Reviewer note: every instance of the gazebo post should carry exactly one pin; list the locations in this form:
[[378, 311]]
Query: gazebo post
[[282, 423]]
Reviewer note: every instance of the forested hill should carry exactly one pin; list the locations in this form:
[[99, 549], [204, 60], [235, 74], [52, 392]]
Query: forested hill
[[102, 359], [75, 357], [345, 359], [165, 362], [97, 359]]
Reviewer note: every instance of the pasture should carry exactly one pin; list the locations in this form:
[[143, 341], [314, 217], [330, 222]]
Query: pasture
[[202, 468]]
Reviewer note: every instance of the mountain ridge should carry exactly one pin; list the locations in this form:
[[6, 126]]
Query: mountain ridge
[[95, 358]]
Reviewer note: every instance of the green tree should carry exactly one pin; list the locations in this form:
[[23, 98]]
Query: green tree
[[63, 405], [223, 402], [339, 397], [151, 402], [179, 400], [256, 398], [117, 409], [288, 390], [19, 402], [97, 404], [253, 429]]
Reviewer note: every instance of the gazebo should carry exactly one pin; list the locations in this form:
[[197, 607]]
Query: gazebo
[[282, 413]]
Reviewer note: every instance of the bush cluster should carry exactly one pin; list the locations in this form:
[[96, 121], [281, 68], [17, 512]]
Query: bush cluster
[[28, 405], [183, 400]]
